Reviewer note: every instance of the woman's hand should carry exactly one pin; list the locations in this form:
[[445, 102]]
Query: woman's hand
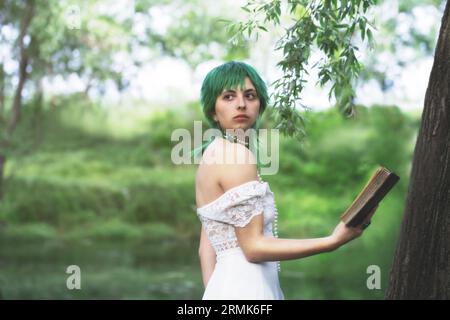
[[343, 234]]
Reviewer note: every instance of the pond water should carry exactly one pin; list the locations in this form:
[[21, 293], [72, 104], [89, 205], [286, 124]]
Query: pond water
[[166, 270], [123, 270]]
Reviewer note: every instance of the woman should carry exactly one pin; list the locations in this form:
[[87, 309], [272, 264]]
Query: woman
[[239, 249]]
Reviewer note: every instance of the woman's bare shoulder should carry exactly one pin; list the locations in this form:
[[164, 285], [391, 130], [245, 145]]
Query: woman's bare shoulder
[[221, 170], [222, 151], [236, 165], [228, 164]]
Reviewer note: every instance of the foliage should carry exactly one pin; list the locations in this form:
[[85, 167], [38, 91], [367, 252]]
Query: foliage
[[330, 25], [195, 35]]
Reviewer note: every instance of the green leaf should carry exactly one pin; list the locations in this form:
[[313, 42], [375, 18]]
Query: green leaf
[[369, 35], [262, 28]]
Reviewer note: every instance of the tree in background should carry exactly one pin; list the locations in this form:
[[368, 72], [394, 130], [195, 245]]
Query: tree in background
[[23, 20], [43, 44], [421, 268]]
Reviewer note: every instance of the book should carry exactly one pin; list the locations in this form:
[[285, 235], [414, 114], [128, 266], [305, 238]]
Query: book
[[378, 186]]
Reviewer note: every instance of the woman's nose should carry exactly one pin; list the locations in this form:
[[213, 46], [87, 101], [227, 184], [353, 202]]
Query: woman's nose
[[241, 102]]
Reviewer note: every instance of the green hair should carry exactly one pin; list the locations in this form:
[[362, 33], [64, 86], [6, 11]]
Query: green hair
[[227, 77]]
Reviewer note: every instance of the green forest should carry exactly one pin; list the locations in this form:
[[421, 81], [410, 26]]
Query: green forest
[[111, 201]]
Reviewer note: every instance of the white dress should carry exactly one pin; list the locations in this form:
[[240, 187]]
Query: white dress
[[234, 277]]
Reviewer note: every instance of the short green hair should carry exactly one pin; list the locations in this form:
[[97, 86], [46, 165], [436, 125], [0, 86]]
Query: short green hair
[[227, 77]]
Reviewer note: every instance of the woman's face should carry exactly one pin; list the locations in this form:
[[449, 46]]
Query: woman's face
[[236, 109]]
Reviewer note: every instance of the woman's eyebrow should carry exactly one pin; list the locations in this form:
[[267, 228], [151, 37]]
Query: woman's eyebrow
[[232, 91]]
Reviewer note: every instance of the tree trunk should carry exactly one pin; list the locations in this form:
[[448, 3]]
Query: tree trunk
[[23, 63], [421, 267], [17, 102]]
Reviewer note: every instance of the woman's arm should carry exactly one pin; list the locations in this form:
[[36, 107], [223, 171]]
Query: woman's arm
[[207, 257], [252, 241], [259, 248]]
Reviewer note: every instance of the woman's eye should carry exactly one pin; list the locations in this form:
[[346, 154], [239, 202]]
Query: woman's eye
[[249, 96]]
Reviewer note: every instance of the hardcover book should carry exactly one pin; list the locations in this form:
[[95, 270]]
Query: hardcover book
[[375, 190]]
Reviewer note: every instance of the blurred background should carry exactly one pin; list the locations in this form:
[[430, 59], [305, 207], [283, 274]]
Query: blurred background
[[90, 92]]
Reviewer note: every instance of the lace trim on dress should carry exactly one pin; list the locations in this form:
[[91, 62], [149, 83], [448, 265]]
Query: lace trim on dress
[[235, 208], [238, 205], [223, 246]]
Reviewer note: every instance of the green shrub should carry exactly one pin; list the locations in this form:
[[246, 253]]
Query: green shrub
[[28, 232]]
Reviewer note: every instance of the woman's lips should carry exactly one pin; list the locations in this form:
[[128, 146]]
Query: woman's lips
[[240, 118]]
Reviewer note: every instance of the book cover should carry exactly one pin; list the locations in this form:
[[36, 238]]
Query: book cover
[[378, 186]]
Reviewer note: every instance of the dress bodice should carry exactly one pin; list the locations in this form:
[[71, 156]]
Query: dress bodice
[[235, 208]]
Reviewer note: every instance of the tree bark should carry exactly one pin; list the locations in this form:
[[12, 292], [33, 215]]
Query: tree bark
[[23, 63], [421, 267]]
